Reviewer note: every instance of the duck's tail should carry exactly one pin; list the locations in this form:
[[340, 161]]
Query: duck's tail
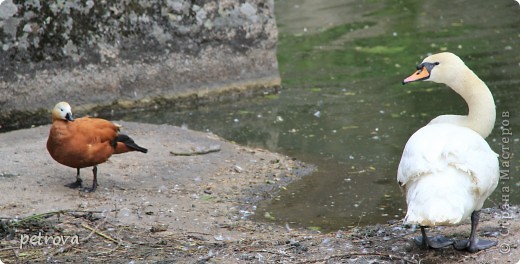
[[125, 144]]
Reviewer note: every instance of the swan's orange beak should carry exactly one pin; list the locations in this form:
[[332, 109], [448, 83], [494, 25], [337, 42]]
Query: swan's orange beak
[[421, 74]]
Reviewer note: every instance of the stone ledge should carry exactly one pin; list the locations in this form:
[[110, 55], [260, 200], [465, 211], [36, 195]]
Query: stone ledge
[[104, 54]]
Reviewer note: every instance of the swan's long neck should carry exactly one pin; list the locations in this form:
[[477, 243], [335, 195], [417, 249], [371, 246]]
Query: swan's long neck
[[482, 113]]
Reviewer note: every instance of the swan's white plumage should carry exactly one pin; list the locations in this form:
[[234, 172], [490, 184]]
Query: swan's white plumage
[[447, 169], [447, 172]]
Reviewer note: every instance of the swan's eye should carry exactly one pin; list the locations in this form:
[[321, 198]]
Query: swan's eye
[[437, 63]]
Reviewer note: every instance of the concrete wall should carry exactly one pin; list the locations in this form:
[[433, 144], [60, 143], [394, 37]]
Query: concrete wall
[[131, 53]]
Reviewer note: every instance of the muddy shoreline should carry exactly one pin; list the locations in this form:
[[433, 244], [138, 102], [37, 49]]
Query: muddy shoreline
[[193, 207]]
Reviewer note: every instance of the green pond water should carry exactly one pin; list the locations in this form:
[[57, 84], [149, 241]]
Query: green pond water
[[343, 108]]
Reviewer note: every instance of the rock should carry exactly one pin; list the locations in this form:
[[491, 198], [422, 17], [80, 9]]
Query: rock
[[158, 227], [192, 150], [238, 169], [7, 9]]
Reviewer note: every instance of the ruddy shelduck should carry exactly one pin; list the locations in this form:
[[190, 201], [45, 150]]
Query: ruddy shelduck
[[85, 142]]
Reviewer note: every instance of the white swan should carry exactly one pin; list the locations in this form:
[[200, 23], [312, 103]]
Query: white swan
[[448, 170]]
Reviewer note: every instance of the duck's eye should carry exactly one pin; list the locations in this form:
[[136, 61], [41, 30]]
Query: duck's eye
[[61, 110]]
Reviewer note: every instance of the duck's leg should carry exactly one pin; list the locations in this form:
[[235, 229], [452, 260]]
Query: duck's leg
[[94, 181], [75, 184], [437, 242], [473, 244]]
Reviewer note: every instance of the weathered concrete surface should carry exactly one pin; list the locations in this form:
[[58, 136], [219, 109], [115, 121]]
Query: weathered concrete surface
[[131, 53]]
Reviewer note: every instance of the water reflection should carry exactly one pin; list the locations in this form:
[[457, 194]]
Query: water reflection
[[343, 108]]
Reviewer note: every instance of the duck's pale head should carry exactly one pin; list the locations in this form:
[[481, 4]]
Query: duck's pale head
[[442, 67], [62, 111]]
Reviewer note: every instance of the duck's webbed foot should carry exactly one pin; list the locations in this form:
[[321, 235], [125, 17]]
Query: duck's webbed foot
[[77, 183]]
